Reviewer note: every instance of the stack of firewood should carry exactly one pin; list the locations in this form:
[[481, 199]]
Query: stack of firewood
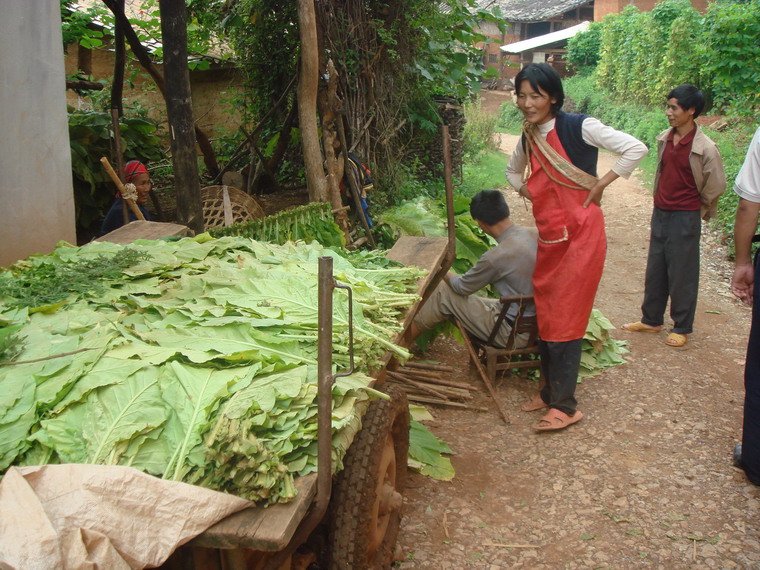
[[423, 383]]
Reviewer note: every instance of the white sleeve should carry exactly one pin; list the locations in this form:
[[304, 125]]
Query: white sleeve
[[747, 183], [516, 166], [630, 149]]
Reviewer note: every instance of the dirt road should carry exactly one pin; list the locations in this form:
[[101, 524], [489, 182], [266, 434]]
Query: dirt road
[[644, 481]]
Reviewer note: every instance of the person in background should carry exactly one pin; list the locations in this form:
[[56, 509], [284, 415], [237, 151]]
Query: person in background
[[508, 267], [687, 184], [745, 284], [134, 173], [554, 166]]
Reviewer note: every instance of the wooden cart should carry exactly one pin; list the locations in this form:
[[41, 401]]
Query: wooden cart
[[350, 521]]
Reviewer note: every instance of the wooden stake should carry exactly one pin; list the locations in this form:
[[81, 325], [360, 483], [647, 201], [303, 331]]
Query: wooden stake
[[481, 370], [424, 366], [451, 383], [426, 400]]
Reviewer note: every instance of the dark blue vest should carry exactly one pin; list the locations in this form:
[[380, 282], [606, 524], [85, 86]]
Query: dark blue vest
[[570, 132]]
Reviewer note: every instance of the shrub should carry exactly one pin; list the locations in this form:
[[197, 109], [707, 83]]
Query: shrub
[[583, 49], [732, 55], [642, 121], [510, 118], [479, 130]]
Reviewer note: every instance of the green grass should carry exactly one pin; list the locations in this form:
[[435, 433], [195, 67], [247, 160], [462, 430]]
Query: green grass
[[485, 173]]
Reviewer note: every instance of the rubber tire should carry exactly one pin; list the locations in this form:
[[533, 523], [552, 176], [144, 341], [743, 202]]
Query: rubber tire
[[355, 487]]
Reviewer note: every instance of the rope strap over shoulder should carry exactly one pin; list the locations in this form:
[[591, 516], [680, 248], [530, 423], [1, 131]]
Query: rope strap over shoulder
[[583, 180]]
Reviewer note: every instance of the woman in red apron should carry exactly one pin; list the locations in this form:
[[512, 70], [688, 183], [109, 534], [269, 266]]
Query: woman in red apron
[[554, 166]]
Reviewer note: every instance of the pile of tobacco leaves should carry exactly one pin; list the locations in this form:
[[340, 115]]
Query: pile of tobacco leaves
[[193, 360]]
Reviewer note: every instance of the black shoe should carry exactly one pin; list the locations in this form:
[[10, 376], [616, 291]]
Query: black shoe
[[738, 456]]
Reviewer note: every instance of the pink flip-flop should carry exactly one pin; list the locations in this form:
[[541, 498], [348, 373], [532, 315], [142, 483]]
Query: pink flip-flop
[[555, 419]]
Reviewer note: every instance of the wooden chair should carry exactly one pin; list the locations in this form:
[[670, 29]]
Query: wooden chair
[[508, 357]]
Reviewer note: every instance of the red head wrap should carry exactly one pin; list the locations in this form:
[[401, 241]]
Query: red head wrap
[[132, 169]]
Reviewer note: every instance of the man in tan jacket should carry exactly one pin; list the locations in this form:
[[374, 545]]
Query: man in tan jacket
[[688, 183]]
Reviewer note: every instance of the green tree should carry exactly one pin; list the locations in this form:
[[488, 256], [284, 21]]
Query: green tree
[[583, 49]]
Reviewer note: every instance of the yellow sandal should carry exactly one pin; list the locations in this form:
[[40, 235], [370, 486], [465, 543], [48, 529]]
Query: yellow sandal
[[638, 326], [675, 339]]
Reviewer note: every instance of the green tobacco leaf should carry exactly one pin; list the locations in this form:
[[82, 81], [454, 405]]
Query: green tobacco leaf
[[98, 430], [263, 393], [201, 344], [193, 393], [16, 422], [426, 450], [105, 372]]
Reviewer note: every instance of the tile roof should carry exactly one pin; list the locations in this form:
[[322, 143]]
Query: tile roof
[[531, 10]]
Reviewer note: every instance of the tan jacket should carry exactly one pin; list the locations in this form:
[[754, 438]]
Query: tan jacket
[[706, 166]]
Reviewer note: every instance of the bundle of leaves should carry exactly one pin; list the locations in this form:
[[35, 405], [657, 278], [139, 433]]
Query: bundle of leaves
[[40, 281], [600, 350], [197, 364], [309, 222]]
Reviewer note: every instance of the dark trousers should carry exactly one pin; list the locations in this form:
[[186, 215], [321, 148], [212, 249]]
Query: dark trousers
[[751, 428], [672, 269], [560, 362]]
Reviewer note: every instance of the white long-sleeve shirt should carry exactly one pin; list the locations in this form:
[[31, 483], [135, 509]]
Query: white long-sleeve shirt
[[595, 133], [747, 183]]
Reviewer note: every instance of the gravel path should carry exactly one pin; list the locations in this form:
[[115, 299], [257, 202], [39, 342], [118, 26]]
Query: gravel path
[[644, 481]]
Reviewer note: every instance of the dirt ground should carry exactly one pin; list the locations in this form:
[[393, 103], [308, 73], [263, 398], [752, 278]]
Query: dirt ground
[[644, 481]]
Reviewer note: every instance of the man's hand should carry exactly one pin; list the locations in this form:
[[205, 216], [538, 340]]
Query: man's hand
[[743, 281], [745, 225]]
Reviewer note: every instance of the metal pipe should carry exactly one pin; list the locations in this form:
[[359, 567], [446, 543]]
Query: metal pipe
[[324, 387], [325, 379]]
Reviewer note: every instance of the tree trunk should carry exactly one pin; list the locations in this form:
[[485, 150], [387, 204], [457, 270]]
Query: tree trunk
[[283, 141], [307, 102], [180, 110], [142, 55], [117, 86], [330, 108]]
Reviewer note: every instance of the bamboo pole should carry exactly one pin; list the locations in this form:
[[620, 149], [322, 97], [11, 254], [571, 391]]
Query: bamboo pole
[[132, 206]]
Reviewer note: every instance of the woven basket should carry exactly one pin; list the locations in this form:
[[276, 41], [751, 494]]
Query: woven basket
[[240, 207]]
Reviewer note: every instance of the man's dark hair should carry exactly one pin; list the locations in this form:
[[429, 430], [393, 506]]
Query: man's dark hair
[[546, 77], [688, 97], [489, 206]]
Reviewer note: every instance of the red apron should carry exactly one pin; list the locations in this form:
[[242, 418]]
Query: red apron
[[571, 250]]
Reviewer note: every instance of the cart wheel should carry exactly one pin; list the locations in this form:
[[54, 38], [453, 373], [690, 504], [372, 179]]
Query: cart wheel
[[366, 500]]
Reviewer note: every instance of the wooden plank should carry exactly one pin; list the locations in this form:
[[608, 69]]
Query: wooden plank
[[269, 529], [424, 252], [140, 229]]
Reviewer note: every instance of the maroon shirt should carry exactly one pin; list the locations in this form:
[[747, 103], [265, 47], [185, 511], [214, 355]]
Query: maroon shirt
[[676, 189]]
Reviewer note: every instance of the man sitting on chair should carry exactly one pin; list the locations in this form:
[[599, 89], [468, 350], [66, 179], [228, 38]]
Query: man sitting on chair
[[508, 267]]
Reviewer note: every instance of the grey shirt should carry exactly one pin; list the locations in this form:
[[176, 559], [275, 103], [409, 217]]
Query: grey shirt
[[508, 266]]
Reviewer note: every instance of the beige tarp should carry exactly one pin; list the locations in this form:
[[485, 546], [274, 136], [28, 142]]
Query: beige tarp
[[93, 516]]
